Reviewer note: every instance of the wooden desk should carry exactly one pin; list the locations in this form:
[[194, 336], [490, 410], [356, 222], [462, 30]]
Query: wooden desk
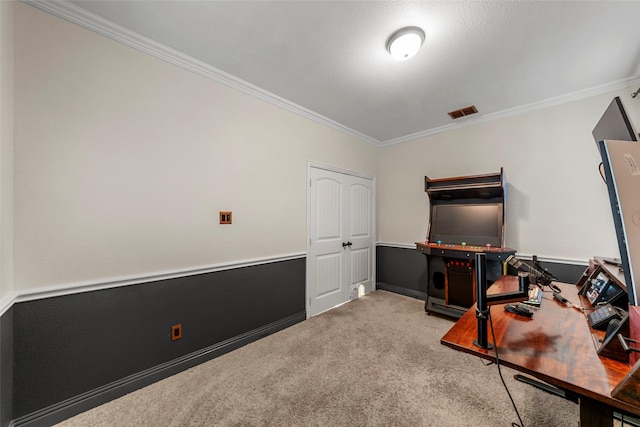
[[555, 346]]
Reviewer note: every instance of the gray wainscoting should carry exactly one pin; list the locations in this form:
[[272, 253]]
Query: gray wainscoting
[[66, 354], [401, 270], [6, 366], [62, 355], [405, 270]]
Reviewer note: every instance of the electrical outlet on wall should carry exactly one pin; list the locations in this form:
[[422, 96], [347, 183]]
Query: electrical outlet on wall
[[176, 332]]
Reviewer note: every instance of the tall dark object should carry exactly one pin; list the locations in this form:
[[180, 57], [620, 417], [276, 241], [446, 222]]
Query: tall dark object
[[467, 216], [621, 163], [614, 124], [484, 301], [617, 143], [482, 309]]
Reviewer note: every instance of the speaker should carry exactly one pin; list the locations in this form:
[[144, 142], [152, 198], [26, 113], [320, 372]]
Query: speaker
[[460, 277], [437, 271]]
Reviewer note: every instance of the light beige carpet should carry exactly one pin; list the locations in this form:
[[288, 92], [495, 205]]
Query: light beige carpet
[[376, 361]]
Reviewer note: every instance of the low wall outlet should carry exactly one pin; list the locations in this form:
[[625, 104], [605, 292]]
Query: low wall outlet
[[176, 332]]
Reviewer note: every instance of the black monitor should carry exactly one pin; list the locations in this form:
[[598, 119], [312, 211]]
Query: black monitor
[[602, 289], [473, 223], [614, 124]]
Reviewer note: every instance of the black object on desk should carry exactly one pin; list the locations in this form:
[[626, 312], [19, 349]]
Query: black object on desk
[[601, 316], [483, 300], [519, 310]]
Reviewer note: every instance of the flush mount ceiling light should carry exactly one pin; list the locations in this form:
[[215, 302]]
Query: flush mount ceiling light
[[405, 42]]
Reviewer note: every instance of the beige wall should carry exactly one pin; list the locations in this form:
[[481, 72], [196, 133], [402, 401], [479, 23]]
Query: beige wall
[[557, 204], [123, 161], [6, 148]]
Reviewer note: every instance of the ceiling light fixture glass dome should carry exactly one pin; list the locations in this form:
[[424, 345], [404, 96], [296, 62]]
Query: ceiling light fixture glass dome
[[405, 43]]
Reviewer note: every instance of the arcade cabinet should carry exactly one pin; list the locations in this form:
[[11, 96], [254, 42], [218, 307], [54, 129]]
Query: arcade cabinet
[[467, 217]]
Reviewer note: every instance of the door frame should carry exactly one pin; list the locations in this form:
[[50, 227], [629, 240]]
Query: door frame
[[374, 221]]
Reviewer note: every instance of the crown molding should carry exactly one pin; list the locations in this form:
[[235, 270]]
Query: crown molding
[[574, 96], [79, 16]]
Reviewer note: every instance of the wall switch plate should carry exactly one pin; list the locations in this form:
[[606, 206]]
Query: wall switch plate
[[225, 217]]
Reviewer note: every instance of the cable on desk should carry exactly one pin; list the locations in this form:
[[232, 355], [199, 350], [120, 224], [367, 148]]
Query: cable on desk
[[551, 286], [495, 346]]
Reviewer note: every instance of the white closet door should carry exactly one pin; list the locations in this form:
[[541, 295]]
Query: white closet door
[[340, 246]]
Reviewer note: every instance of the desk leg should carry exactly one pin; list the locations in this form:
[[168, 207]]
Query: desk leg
[[595, 414]]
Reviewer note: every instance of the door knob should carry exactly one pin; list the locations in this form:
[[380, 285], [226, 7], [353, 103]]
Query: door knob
[[344, 245]]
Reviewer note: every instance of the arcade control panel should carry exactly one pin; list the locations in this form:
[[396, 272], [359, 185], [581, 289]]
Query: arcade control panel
[[463, 251]]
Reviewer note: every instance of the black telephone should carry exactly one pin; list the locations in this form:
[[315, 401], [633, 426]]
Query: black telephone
[[601, 316]]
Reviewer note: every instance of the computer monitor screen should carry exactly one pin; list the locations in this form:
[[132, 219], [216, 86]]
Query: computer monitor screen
[[597, 286], [474, 224], [615, 124]]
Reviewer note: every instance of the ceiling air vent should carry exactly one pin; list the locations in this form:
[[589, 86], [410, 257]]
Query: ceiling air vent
[[466, 111]]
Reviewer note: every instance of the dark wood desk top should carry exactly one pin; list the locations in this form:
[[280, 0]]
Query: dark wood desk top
[[555, 345]]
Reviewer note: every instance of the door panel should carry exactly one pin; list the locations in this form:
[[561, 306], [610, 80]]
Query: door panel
[[325, 257], [360, 214], [360, 229], [360, 266], [328, 274], [329, 209]]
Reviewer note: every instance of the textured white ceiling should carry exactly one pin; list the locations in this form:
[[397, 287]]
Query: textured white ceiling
[[329, 57]]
